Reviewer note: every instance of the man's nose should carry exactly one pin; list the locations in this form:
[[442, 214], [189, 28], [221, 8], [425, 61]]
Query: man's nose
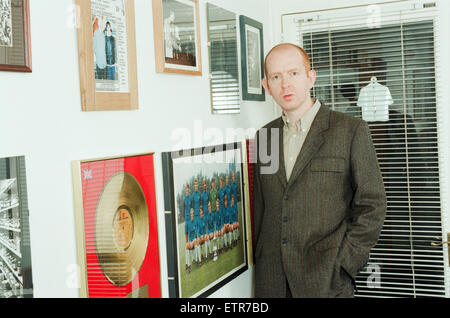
[[285, 81]]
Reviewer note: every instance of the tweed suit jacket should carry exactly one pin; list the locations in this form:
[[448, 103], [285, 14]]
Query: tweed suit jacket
[[316, 230]]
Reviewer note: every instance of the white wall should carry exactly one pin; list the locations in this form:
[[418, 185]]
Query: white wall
[[41, 118]]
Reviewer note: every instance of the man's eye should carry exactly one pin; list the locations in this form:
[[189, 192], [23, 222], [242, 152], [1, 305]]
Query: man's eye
[[294, 73], [275, 77]]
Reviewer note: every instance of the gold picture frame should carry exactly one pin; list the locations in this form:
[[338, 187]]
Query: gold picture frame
[[108, 80], [176, 26]]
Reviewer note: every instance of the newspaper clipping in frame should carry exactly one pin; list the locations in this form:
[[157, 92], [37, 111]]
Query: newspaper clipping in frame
[[110, 45]]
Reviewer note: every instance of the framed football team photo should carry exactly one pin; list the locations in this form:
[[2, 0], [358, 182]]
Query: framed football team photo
[[116, 227], [107, 55], [15, 252], [252, 59], [176, 26], [15, 38], [207, 218]]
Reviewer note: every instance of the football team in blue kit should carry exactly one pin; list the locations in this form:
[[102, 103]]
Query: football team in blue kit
[[211, 228]]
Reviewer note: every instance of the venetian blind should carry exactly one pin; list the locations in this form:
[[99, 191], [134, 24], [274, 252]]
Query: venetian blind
[[394, 50], [224, 68]]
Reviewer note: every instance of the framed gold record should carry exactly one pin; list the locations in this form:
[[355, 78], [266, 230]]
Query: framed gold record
[[117, 227]]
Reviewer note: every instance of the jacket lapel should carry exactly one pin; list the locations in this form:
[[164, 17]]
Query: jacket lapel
[[312, 143], [281, 173]]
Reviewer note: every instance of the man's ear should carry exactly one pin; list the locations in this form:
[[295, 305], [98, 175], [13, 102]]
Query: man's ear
[[266, 85], [312, 77]]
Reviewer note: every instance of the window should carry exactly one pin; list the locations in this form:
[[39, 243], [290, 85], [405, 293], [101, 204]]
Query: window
[[352, 49]]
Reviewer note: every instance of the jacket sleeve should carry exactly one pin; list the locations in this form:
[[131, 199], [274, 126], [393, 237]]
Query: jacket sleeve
[[368, 208]]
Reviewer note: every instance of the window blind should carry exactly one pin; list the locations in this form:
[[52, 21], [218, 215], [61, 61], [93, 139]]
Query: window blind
[[224, 68], [395, 50]]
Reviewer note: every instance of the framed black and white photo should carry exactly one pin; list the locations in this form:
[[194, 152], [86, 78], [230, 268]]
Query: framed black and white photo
[[252, 59], [207, 218], [15, 251], [177, 36], [15, 41]]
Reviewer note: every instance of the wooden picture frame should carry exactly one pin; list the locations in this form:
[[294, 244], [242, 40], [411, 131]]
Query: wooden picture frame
[[175, 51], [117, 227], [227, 255], [252, 59], [15, 40], [108, 81]]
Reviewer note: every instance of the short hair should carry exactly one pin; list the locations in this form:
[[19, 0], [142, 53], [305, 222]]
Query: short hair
[[306, 60]]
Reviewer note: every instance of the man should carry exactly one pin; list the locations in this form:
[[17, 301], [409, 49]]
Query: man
[[196, 202], [218, 224], [235, 221], [186, 209], [226, 223], [233, 185], [317, 217], [209, 238], [111, 52], [205, 196], [221, 197], [99, 46], [202, 235], [227, 187], [191, 239], [234, 195]]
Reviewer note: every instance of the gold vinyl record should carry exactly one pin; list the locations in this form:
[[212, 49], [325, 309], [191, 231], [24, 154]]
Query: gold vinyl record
[[121, 228]]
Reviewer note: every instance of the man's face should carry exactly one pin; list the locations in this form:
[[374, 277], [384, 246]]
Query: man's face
[[187, 190], [287, 80], [196, 186]]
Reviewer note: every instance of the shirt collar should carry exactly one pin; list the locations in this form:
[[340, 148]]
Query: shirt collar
[[306, 121]]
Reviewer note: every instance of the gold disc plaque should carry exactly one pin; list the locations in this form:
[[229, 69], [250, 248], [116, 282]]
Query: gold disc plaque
[[121, 228]]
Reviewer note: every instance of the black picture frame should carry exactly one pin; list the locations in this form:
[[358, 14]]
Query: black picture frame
[[178, 282], [252, 65]]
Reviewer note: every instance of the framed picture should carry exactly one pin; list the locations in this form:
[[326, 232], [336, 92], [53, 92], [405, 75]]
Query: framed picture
[[107, 55], [251, 160], [15, 38], [252, 59], [207, 218], [15, 253], [177, 36], [116, 227]]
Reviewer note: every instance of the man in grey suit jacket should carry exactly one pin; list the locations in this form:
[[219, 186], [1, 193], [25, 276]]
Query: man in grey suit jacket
[[318, 215]]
